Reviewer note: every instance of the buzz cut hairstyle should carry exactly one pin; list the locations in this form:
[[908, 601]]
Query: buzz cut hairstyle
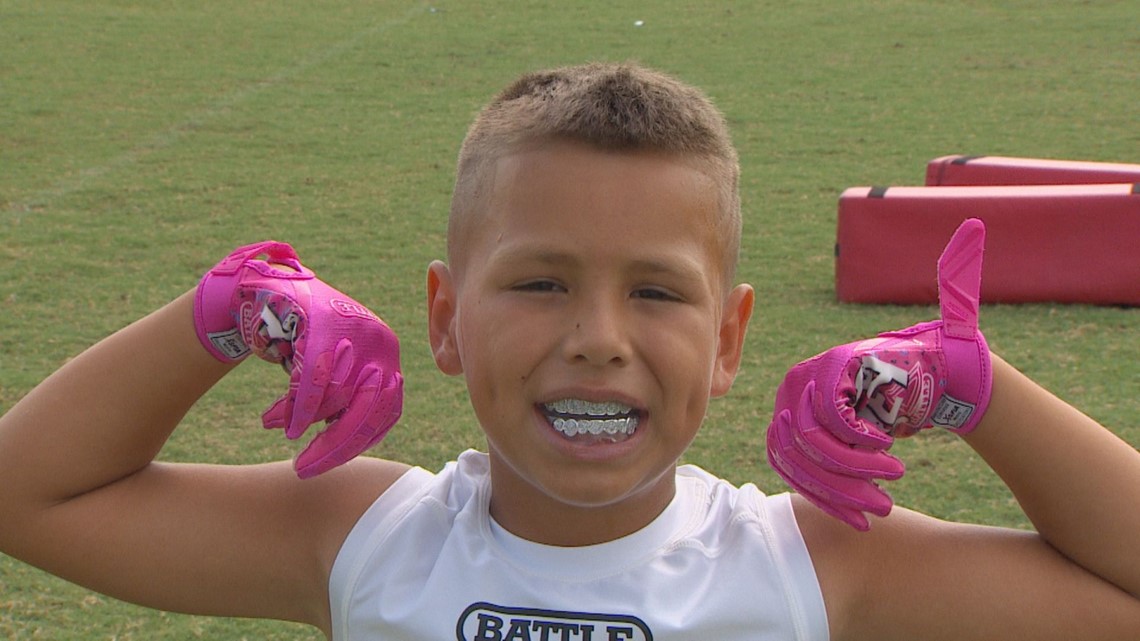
[[613, 107]]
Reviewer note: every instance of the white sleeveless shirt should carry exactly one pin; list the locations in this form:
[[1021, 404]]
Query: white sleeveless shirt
[[721, 563]]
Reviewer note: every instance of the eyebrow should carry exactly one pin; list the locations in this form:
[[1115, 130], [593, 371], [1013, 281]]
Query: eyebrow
[[684, 269]]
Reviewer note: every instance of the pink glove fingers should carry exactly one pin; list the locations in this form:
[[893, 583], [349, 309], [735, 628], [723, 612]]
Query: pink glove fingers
[[845, 498], [815, 494], [321, 390], [366, 420], [837, 414], [837, 411], [835, 488], [276, 416], [852, 517], [829, 452]]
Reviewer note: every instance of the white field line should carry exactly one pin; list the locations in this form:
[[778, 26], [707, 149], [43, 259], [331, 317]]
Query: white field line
[[173, 134]]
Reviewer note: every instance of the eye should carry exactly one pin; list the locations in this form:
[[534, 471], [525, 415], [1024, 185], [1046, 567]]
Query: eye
[[655, 294], [539, 286]]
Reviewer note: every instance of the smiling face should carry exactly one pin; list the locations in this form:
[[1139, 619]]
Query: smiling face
[[588, 314]]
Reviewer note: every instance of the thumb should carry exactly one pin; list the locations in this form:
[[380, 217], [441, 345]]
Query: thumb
[[960, 279]]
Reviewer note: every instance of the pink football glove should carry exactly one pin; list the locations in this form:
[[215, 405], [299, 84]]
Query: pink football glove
[[837, 413], [343, 361]]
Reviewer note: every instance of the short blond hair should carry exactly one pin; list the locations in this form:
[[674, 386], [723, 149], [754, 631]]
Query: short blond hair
[[612, 107]]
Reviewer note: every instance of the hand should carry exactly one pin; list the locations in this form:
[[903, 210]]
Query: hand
[[343, 361], [838, 413]]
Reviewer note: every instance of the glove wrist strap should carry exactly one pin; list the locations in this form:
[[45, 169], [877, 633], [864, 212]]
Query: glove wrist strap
[[215, 319], [965, 400]]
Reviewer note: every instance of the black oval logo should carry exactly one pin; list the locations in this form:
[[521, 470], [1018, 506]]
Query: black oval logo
[[490, 622]]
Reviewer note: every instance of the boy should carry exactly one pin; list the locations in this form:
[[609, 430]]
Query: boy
[[588, 299]]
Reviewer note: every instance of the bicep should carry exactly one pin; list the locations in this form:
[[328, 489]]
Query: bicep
[[249, 541], [914, 577]]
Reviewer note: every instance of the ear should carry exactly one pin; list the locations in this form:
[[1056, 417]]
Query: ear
[[441, 319], [730, 340]]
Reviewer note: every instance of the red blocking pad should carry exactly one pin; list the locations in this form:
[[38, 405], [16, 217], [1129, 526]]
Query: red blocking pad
[[999, 170], [1054, 243]]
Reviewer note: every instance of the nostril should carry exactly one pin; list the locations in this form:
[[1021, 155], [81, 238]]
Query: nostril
[[599, 336]]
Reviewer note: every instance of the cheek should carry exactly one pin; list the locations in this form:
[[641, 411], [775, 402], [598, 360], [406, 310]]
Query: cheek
[[497, 346], [684, 358], [472, 332]]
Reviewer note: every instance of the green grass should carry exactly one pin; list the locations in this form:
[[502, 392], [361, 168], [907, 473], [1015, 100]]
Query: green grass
[[140, 141]]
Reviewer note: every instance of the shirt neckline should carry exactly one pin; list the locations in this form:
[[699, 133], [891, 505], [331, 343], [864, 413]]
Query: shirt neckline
[[602, 559]]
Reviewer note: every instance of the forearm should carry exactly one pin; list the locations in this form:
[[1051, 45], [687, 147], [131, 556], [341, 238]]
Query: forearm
[[1077, 482], [106, 413]]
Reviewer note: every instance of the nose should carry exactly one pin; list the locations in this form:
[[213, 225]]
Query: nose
[[599, 333]]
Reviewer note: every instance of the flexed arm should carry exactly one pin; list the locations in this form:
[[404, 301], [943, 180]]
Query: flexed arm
[[910, 576], [82, 497], [343, 361], [839, 412]]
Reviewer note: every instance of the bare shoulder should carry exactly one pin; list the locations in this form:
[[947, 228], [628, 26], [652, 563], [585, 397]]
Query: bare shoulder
[[916, 577], [344, 492], [319, 511], [339, 497]]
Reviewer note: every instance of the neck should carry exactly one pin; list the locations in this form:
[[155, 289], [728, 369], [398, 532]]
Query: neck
[[532, 514]]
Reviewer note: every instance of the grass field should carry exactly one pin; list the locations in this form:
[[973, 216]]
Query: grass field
[[141, 141]]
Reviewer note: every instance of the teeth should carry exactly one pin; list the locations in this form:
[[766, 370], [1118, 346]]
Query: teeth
[[609, 427], [578, 407], [573, 416]]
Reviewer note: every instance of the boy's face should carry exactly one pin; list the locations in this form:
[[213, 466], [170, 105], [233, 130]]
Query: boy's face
[[589, 316]]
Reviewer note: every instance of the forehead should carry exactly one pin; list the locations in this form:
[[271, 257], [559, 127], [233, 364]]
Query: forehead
[[638, 205]]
